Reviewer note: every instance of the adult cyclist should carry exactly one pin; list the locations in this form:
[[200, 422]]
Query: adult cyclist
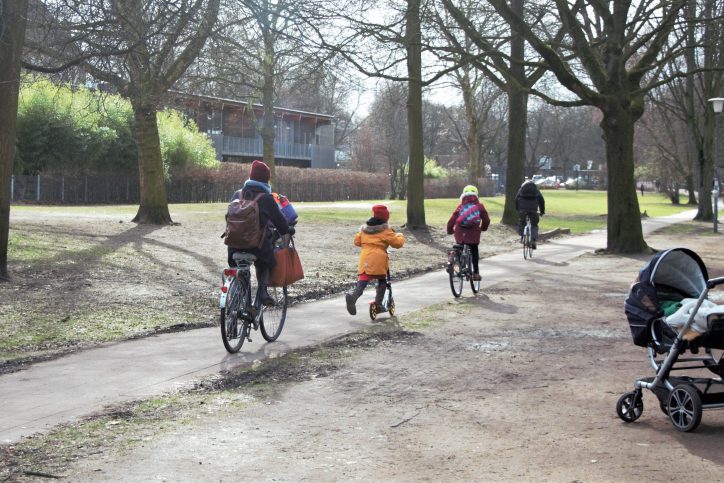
[[527, 202]]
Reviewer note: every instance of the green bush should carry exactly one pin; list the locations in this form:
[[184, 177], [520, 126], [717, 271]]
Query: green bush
[[182, 145], [71, 131]]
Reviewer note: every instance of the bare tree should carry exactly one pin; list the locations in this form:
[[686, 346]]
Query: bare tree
[[381, 133], [611, 56], [141, 48], [498, 49], [13, 16], [389, 43]]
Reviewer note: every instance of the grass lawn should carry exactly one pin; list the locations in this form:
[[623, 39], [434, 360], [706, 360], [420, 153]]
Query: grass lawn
[[581, 211]]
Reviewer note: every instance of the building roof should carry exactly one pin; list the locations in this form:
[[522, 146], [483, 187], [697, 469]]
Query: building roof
[[238, 103]]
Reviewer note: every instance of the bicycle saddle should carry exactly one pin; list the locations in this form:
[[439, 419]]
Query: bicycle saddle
[[243, 257]]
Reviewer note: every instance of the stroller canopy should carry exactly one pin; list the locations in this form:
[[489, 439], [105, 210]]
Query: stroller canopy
[[677, 269], [673, 274]]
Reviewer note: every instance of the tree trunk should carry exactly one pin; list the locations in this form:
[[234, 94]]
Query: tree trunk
[[705, 211], [691, 189], [154, 204], [13, 16], [268, 132], [473, 139], [415, 177], [624, 216], [517, 121]]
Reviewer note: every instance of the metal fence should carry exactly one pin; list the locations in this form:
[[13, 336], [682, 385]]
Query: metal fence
[[124, 189]]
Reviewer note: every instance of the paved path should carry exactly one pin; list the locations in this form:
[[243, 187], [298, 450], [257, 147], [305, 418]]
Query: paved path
[[49, 393]]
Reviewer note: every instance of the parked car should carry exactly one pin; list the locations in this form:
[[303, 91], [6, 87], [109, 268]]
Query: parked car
[[551, 182], [579, 183]]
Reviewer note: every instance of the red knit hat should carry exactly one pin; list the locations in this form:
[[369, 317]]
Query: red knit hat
[[381, 212], [259, 172]]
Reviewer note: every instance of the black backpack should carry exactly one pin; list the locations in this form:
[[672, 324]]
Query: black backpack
[[529, 190]]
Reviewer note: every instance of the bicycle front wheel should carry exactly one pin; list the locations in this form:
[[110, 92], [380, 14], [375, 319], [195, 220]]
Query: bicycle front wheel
[[272, 320], [456, 278], [233, 328]]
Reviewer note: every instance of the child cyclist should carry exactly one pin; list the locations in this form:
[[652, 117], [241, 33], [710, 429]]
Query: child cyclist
[[375, 236], [467, 221]]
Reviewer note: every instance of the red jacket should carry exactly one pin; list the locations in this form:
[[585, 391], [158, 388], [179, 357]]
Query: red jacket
[[468, 234]]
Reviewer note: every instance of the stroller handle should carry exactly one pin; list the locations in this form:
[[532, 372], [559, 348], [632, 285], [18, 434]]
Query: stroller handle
[[714, 282]]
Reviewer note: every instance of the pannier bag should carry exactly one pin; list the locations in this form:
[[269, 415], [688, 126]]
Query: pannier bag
[[288, 268], [243, 229]]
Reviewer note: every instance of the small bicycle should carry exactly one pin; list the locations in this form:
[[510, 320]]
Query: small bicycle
[[527, 239], [460, 269], [239, 315], [388, 303]]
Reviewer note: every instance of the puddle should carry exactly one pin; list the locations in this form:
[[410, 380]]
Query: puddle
[[491, 346]]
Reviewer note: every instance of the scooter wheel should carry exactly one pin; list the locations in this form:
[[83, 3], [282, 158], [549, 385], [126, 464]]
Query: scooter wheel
[[392, 307], [373, 311]]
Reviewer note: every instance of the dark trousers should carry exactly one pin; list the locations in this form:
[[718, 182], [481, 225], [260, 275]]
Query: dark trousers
[[474, 255], [533, 223]]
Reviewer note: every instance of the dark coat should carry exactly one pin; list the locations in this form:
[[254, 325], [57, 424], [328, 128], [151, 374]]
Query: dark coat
[[468, 234], [530, 199], [269, 214]]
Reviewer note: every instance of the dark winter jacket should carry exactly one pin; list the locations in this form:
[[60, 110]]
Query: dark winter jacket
[[530, 199], [468, 234], [269, 213]]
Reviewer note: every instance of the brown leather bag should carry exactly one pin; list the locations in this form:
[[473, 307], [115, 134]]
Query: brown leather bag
[[288, 268]]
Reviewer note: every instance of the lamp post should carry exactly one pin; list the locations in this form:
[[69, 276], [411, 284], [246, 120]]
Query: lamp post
[[717, 103]]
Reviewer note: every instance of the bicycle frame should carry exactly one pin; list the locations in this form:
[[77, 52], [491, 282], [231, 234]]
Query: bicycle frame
[[243, 273]]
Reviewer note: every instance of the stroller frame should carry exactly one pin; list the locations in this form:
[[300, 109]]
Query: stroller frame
[[682, 398]]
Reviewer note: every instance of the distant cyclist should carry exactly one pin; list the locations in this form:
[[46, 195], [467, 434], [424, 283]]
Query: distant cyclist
[[467, 221], [528, 201]]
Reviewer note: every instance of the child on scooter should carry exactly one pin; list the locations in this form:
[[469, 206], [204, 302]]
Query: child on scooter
[[375, 236]]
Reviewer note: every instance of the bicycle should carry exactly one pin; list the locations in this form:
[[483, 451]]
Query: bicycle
[[239, 315], [388, 303], [460, 269], [527, 239]]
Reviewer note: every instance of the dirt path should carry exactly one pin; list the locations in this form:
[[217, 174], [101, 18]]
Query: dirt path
[[517, 384]]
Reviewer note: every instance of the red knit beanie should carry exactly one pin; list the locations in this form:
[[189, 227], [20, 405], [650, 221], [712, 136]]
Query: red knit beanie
[[381, 212], [260, 172]]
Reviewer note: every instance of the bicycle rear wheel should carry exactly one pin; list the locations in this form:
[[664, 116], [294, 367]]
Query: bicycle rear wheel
[[272, 320], [233, 329], [527, 247], [456, 277]]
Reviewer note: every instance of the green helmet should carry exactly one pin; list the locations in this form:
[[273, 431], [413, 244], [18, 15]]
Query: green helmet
[[470, 189]]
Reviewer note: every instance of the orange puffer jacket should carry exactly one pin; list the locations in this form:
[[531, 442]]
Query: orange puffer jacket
[[374, 240]]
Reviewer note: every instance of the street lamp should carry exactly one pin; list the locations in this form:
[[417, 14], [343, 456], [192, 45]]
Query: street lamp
[[717, 103]]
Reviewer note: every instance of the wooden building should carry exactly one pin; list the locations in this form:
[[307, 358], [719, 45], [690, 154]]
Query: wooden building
[[303, 139]]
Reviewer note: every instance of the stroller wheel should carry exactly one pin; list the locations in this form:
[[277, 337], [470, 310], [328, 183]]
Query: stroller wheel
[[630, 406], [685, 407]]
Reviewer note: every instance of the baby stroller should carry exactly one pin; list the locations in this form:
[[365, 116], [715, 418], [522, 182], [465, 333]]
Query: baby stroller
[[676, 277]]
